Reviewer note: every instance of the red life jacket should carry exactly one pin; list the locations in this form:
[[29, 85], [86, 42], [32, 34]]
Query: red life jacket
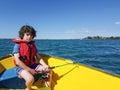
[[27, 54]]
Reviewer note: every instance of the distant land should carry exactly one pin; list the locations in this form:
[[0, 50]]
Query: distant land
[[86, 38], [101, 38]]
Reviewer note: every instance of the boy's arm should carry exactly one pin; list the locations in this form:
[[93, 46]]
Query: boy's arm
[[20, 63], [41, 61]]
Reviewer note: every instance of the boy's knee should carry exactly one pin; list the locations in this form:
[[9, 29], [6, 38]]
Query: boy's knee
[[30, 79]]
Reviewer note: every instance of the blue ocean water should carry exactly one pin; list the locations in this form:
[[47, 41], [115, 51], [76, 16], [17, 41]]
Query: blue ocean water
[[102, 54]]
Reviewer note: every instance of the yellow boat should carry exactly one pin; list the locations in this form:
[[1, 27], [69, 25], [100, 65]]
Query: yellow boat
[[66, 75]]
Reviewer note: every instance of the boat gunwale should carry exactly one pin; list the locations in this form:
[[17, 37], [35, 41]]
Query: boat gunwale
[[7, 56], [82, 64], [72, 62]]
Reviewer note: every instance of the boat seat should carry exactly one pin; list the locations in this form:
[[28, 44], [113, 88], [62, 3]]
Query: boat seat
[[10, 79]]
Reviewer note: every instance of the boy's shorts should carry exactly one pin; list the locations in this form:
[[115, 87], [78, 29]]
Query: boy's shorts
[[19, 69]]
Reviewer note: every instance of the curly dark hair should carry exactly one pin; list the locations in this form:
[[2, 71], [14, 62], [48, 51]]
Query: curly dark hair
[[27, 29]]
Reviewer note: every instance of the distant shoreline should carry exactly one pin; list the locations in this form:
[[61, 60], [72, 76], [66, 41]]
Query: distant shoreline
[[102, 38], [86, 38]]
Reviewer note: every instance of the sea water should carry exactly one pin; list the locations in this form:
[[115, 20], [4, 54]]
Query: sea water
[[102, 54]]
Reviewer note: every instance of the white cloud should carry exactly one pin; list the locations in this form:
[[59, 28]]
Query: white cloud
[[117, 23], [80, 31]]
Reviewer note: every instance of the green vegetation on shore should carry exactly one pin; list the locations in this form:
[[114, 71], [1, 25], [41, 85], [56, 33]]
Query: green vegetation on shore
[[102, 38]]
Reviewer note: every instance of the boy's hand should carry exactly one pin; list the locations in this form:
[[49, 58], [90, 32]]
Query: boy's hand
[[47, 69], [32, 71]]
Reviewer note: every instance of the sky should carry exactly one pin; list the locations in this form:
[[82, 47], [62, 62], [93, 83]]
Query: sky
[[60, 19]]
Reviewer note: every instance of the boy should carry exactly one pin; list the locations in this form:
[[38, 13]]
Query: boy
[[24, 54]]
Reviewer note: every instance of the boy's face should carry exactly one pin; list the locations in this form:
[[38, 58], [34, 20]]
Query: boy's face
[[27, 37]]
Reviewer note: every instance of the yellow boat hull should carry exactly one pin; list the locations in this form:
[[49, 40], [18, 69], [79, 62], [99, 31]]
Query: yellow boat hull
[[72, 76]]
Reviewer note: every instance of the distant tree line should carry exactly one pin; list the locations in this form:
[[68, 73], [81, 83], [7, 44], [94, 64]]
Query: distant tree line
[[101, 38]]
